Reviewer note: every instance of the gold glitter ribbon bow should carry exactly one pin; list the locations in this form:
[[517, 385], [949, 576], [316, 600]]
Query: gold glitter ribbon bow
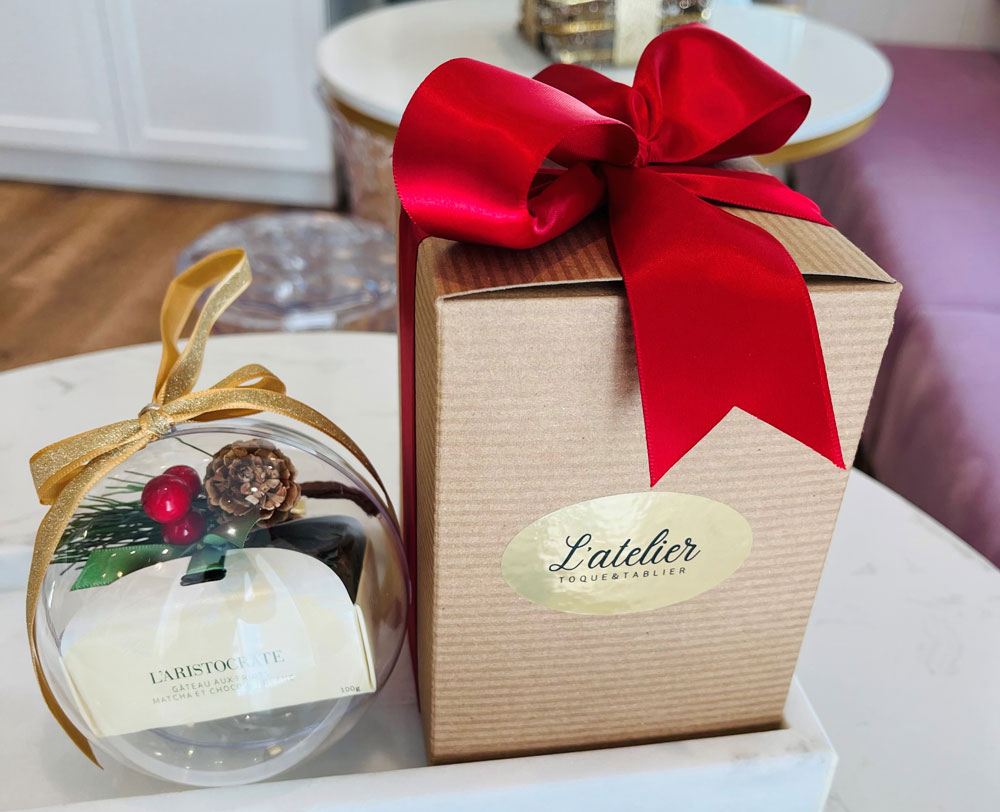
[[65, 472]]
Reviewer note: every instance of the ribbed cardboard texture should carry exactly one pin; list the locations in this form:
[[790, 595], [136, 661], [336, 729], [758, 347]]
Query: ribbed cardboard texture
[[528, 401]]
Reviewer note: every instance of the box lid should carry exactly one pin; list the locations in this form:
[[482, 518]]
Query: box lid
[[584, 254]]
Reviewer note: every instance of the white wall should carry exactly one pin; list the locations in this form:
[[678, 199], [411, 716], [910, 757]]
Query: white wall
[[967, 23]]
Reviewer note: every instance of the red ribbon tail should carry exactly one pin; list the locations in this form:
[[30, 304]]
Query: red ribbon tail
[[721, 317]]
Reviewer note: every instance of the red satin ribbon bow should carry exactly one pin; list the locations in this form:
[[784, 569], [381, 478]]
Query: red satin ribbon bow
[[720, 312]]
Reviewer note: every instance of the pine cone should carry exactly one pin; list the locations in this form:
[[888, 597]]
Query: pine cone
[[249, 475]]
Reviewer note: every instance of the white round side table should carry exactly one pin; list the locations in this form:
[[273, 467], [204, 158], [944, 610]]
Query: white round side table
[[900, 658], [371, 64]]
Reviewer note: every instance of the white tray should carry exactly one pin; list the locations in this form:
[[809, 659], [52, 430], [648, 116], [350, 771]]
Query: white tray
[[381, 764]]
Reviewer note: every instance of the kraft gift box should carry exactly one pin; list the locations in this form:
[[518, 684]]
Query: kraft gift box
[[530, 471]]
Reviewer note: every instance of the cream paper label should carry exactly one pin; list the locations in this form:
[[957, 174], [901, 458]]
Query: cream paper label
[[627, 553], [278, 630]]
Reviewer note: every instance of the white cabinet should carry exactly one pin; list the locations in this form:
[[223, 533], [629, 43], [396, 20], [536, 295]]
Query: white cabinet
[[228, 81], [54, 71], [211, 98]]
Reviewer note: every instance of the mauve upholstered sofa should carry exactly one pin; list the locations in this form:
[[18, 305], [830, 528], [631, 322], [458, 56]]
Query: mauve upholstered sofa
[[920, 193]]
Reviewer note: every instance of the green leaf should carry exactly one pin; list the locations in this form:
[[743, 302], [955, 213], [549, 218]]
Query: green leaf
[[209, 562], [107, 565], [234, 533]]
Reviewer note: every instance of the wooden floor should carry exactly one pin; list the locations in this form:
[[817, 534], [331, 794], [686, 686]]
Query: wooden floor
[[85, 269]]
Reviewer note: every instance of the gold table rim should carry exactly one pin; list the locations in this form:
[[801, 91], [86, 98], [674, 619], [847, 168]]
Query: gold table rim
[[789, 153]]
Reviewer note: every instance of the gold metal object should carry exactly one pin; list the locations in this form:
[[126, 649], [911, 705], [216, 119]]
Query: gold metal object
[[600, 32]]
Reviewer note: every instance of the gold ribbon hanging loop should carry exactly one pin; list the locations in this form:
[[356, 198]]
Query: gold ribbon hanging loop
[[66, 471]]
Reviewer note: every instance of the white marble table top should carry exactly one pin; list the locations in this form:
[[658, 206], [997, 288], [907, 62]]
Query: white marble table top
[[900, 660], [374, 62]]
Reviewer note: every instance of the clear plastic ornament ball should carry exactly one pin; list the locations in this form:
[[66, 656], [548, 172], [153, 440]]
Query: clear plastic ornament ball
[[224, 604]]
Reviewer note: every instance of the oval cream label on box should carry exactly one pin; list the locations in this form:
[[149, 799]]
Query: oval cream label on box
[[627, 553]]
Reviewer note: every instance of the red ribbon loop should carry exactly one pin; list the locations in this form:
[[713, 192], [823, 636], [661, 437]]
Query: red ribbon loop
[[721, 315]]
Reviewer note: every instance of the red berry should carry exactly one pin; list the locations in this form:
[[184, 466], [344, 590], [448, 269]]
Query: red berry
[[188, 475], [166, 498], [185, 530]]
